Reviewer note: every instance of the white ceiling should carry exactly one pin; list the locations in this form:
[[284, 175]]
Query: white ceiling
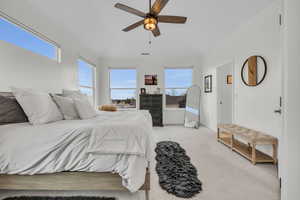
[[97, 25]]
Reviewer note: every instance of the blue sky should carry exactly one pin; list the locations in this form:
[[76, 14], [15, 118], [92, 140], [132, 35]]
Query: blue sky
[[85, 77], [125, 78], [178, 78], [18, 36], [85, 73], [175, 78]]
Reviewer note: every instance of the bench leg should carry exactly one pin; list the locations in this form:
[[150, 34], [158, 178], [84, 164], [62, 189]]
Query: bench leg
[[253, 154], [275, 154], [249, 147], [147, 195], [232, 142]]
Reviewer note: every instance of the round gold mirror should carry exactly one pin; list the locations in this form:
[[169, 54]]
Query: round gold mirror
[[254, 71]]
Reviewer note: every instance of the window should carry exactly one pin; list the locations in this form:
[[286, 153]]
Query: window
[[18, 34], [177, 81], [86, 78], [123, 87]]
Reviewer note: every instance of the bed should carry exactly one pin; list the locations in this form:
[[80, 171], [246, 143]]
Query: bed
[[109, 152]]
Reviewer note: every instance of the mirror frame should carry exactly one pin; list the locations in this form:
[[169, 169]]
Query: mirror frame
[[265, 71]]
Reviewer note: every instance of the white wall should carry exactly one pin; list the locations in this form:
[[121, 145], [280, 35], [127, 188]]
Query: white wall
[[208, 106], [253, 106], [291, 179], [22, 68], [146, 65]]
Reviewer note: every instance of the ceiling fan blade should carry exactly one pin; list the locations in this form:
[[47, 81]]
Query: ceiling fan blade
[[156, 32], [171, 19], [158, 6], [133, 26], [130, 10]]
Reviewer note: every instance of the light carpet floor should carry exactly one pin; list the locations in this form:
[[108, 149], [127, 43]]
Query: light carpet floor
[[225, 175]]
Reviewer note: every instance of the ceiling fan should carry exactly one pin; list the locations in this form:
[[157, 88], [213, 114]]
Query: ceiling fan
[[150, 20]]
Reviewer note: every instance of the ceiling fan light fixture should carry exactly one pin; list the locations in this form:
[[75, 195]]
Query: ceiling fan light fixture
[[150, 23], [151, 19]]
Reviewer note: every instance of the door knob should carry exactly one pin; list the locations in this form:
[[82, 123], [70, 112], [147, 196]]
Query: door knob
[[277, 111]]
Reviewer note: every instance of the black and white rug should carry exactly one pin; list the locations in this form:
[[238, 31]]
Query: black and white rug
[[58, 198], [176, 173]]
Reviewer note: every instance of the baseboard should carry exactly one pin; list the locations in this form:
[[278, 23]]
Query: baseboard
[[173, 124]]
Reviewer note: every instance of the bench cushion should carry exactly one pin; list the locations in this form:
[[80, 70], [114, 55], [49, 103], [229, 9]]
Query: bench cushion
[[250, 135]]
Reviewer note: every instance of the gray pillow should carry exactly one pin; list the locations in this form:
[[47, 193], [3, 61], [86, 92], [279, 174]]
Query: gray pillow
[[66, 107], [11, 111], [84, 109]]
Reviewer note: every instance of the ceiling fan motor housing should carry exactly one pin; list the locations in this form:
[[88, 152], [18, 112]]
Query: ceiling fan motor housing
[[150, 22]]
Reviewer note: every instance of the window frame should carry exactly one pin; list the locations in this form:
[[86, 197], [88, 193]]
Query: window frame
[[93, 66], [166, 88], [34, 33], [136, 86]]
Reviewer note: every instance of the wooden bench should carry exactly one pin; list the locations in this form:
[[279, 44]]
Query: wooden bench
[[228, 134]]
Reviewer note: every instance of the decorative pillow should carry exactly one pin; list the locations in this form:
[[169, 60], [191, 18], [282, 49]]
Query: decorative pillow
[[74, 94], [66, 106], [11, 111], [109, 108], [84, 109], [38, 106]]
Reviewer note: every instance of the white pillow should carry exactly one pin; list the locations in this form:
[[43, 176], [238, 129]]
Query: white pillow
[[66, 106], [74, 94], [84, 109], [38, 106]]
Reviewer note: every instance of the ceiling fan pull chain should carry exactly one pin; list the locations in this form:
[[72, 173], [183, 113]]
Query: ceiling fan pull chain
[[150, 42]]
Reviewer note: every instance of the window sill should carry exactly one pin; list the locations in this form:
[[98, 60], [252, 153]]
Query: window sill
[[174, 109], [126, 109]]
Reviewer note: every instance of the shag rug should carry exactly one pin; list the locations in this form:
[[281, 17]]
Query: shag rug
[[58, 198], [176, 173]]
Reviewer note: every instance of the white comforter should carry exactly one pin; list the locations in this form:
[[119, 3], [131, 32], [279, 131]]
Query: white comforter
[[119, 142]]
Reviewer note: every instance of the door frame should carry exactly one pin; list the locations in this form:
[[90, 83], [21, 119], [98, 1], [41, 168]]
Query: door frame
[[232, 63]]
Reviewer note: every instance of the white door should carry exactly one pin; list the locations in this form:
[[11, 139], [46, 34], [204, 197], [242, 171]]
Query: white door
[[225, 93]]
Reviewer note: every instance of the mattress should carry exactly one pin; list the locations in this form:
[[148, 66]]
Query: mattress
[[118, 142]]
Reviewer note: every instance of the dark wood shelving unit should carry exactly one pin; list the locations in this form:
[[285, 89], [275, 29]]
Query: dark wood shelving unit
[[153, 103]]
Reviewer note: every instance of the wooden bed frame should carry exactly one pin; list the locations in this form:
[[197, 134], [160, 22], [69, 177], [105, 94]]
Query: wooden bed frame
[[72, 181]]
